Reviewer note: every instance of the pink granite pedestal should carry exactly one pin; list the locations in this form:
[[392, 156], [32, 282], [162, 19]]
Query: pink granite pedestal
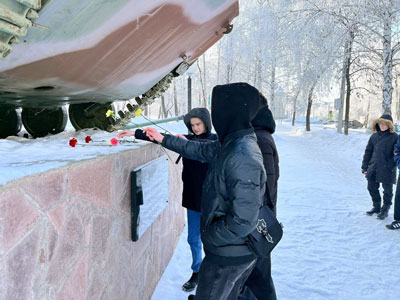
[[65, 233]]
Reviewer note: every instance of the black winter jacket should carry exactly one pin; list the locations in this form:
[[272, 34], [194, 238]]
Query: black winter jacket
[[397, 151], [234, 187], [264, 127], [233, 190], [378, 156], [194, 172]]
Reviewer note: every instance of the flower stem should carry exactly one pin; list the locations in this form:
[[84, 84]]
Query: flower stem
[[156, 125], [162, 147]]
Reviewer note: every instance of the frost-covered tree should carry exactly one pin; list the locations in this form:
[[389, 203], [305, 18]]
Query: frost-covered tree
[[315, 40], [296, 52], [378, 41]]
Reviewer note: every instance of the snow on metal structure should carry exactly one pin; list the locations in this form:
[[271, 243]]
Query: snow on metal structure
[[92, 53], [16, 17]]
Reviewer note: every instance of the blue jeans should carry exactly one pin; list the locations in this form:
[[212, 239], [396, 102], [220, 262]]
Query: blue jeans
[[194, 239]]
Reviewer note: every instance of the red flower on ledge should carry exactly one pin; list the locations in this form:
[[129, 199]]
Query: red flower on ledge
[[73, 142], [113, 142]]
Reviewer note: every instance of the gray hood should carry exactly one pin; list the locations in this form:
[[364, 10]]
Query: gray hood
[[201, 113]]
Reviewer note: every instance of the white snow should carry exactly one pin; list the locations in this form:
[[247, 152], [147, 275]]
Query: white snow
[[22, 157], [111, 20], [330, 248]]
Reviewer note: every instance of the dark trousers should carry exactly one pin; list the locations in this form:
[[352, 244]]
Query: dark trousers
[[397, 201], [259, 285], [220, 282], [373, 189]]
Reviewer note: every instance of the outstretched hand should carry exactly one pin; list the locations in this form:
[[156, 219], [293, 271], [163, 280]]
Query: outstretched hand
[[125, 133], [153, 134]]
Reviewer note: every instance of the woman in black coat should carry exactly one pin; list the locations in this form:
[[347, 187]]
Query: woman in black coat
[[378, 165], [259, 285]]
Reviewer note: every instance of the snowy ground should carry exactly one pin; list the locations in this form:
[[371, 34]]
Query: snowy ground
[[330, 248]]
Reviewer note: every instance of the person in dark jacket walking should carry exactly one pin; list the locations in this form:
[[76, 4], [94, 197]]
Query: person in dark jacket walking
[[378, 165], [259, 285], [233, 191], [396, 223], [198, 122]]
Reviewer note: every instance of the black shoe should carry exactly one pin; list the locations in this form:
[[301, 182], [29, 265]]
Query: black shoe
[[374, 210], [384, 212], [395, 225], [191, 284], [191, 297]]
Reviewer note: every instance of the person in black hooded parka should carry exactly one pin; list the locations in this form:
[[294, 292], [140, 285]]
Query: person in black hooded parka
[[378, 165], [233, 191], [198, 122], [264, 127], [259, 285]]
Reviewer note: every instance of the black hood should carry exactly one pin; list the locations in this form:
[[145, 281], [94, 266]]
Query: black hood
[[202, 114], [264, 119], [233, 106]]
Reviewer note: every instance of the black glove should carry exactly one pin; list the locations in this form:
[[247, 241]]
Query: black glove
[[140, 135]]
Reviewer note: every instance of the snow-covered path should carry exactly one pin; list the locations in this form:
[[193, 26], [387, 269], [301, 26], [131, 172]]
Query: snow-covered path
[[330, 249]]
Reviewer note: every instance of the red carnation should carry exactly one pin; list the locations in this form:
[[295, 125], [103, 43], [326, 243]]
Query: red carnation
[[114, 141], [88, 139], [73, 142]]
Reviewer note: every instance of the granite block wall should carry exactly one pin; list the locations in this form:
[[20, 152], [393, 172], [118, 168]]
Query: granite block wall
[[65, 233]]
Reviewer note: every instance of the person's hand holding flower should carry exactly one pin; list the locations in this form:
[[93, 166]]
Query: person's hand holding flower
[[153, 134]]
